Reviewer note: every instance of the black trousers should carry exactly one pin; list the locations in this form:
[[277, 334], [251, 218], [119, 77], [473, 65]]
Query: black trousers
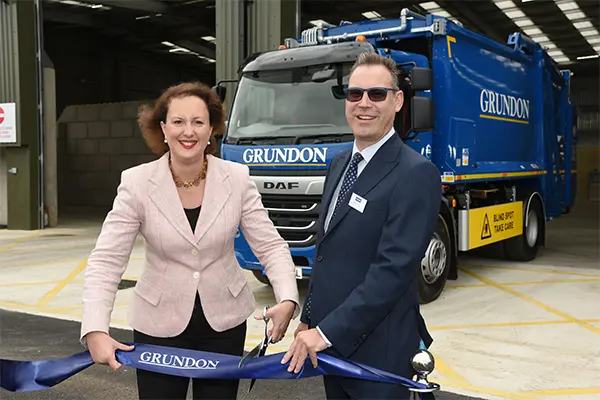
[[197, 336]]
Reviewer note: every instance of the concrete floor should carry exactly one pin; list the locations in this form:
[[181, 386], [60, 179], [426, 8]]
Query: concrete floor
[[503, 330]]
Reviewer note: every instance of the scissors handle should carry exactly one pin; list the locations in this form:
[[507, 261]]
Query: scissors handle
[[266, 319]]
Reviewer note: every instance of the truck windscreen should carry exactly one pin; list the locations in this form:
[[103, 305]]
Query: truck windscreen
[[290, 103]]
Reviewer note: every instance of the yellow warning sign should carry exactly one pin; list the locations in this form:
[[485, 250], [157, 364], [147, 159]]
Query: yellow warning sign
[[495, 223]]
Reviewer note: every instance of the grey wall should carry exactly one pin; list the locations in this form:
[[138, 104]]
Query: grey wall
[[96, 142]]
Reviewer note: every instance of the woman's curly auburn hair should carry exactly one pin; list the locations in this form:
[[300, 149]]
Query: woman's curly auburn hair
[[149, 118]]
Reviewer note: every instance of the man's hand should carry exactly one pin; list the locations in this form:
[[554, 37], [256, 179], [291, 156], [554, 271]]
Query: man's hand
[[102, 349], [281, 314], [301, 327], [307, 342]]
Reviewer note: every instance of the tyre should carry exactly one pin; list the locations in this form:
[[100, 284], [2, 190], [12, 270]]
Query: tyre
[[435, 265], [525, 246], [261, 277]]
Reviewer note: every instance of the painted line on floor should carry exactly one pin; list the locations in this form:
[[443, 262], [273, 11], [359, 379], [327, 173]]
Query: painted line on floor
[[582, 280], [548, 271], [507, 324], [19, 241], [39, 263], [35, 283], [449, 372], [534, 302], [525, 283], [563, 392], [477, 389], [61, 285]]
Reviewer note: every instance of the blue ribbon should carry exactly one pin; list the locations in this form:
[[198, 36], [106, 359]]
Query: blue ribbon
[[28, 376]]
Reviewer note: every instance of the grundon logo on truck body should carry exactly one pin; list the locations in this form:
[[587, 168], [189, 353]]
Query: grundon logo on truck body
[[286, 156], [502, 107]]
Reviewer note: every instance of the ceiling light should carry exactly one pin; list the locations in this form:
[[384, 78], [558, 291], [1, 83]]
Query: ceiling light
[[583, 24], [523, 22], [372, 15], [430, 5], [209, 38], [588, 57], [570, 5], [575, 15], [514, 14], [532, 31], [505, 4]]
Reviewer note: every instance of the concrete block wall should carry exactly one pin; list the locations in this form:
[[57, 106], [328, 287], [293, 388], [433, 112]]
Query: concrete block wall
[[96, 142]]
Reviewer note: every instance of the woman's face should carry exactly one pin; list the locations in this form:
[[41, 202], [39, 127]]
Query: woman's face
[[187, 128]]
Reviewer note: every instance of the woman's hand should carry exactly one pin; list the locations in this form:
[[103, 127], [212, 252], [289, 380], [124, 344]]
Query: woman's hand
[[102, 349], [281, 314]]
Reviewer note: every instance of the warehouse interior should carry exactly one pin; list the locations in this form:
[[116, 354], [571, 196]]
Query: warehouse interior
[[109, 56]]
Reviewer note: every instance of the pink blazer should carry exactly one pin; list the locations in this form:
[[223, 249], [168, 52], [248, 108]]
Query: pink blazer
[[180, 263]]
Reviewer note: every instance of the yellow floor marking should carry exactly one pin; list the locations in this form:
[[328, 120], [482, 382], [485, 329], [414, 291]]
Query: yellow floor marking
[[475, 285], [449, 372], [21, 240], [548, 271], [494, 392], [534, 302], [34, 283], [552, 281], [563, 392], [507, 324], [57, 289], [38, 263], [519, 283]]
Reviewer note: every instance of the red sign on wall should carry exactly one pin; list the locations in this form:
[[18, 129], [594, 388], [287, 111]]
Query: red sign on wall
[[8, 123]]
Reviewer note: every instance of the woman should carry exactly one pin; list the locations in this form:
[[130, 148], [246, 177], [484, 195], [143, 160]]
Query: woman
[[187, 205]]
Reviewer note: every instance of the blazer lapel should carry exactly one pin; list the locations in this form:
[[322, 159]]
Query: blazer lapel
[[336, 175], [216, 193], [167, 200], [380, 165]]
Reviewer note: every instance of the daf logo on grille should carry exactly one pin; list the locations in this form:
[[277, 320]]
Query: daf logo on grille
[[281, 185]]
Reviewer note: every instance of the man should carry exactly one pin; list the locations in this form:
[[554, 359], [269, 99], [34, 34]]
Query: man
[[380, 207]]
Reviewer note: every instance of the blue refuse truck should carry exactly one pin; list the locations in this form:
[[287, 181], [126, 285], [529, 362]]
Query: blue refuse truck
[[495, 118]]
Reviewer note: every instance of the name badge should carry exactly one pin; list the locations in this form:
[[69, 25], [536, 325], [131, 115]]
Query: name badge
[[357, 202]]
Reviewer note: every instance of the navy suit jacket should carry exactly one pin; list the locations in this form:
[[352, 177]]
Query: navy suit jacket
[[363, 290]]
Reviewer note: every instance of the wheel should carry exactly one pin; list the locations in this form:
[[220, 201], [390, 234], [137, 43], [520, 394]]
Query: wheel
[[261, 277], [525, 246], [435, 265]]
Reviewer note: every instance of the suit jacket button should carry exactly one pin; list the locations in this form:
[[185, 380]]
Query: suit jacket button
[[195, 252], [320, 258], [196, 275]]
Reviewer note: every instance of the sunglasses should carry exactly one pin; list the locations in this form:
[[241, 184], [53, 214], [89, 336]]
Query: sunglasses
[[376, 94]]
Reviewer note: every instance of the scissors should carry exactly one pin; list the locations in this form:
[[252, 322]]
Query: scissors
[[260, 348]]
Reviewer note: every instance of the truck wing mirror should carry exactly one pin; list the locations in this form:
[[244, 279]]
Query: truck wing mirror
[[421, 78], [221, 91], [422, 114]]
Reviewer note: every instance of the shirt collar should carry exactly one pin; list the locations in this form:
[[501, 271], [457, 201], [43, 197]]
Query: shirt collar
[[370, 151]]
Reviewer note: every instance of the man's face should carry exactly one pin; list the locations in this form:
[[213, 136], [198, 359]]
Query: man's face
[[369, 119]]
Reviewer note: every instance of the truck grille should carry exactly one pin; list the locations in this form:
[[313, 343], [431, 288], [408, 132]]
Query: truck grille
[[294, 216]]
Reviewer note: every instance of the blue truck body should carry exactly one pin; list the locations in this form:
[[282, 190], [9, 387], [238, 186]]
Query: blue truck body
[[501, 133]]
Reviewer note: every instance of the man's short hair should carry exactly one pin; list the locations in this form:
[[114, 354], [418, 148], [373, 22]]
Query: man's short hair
[[372, 59]]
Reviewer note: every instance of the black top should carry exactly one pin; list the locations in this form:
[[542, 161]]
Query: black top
[[192, 216]]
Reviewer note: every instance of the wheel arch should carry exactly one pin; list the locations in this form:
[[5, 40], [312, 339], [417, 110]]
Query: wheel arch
[[528, 200], [450, 221]]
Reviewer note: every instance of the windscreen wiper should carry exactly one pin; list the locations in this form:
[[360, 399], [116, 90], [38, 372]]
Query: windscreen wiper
[[325, 138], [254, 140]]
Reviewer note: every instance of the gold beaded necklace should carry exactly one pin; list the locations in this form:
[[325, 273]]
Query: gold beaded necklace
[[188, 184]]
